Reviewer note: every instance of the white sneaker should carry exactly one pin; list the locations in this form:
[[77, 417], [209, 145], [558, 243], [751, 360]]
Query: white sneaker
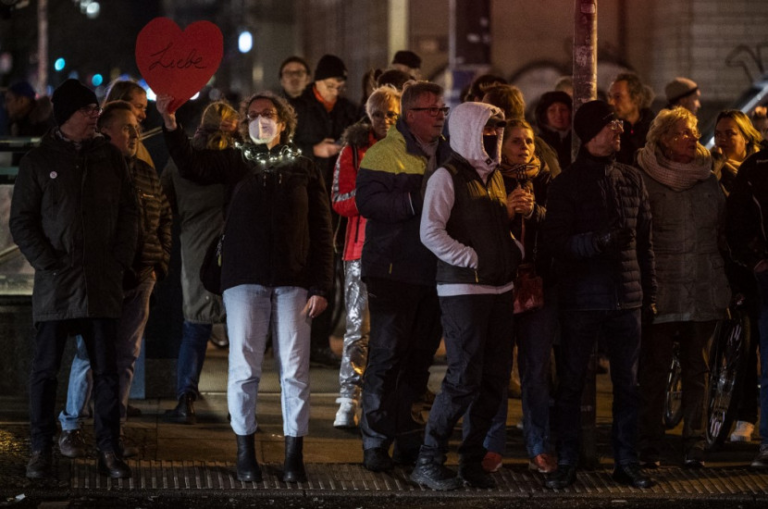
[[742, 432], [346, 416]]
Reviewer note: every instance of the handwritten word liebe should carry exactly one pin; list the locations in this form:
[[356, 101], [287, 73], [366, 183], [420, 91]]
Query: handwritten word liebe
[[178, 63]]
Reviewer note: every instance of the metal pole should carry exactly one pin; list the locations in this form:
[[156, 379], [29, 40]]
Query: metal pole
[[584, 57], [585, 90], [42, 46]]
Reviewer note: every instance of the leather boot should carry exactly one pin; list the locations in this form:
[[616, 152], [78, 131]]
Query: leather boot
[[247, 467], [293, 470], [184, 413]]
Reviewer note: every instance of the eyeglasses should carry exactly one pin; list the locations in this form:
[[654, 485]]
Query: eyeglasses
[[270, 114], [433, 111], [90, 110], [689, 134], [616, 125], [380, 115], [333, 86]]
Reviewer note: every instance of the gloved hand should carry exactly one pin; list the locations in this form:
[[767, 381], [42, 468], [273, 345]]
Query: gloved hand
[[613, 239], [648, 314]]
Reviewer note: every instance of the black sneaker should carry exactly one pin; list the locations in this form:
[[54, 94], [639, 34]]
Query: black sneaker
[[324, 358], [694, 458], [40, 465], [434, 475], [632, 475], [473, 475], [377, 460], [564, 476], [72, 444], [760, 461]]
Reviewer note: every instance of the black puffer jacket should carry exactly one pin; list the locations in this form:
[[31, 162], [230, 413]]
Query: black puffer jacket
[[73, 215], [278, 230], [316, 124], [594, 196], [153, 248], [747, 212]]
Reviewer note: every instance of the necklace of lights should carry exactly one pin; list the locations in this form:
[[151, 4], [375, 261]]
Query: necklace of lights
[[265, 158]]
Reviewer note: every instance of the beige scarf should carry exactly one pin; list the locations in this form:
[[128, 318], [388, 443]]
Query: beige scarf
[[677, 176]]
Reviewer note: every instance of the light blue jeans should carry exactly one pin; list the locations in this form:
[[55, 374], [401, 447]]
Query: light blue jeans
[[130, 332], [252, 312]]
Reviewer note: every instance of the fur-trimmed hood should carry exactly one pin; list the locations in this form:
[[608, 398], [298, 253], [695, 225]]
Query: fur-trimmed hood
[[357, 134]]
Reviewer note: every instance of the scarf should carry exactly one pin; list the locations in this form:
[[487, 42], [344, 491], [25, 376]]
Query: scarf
[[520, 171], [676, 176]]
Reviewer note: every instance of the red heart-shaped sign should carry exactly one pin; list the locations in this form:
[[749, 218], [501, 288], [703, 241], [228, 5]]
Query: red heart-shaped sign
[[178, 63]]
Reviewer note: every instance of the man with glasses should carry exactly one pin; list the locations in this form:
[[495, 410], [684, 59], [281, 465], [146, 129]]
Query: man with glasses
[[120, 125], [399, 273], [74, 217], [323, 114], [598, 229], [294, 77]]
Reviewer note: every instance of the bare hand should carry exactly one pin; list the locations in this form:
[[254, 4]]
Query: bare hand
[[163, 102], [228, 126], [315, 306], [521, 202], [326, 148], [761, 267]]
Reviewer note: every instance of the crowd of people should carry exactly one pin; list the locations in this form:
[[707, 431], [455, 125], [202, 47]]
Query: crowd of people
[[638, 239]]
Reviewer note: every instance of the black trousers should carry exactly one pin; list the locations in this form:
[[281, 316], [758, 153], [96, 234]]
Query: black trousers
[[479, 334], [655, 358], [99, 335], [405, 333]]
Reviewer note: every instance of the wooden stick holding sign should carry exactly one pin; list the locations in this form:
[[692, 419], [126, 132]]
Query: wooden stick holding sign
[[178, 63]]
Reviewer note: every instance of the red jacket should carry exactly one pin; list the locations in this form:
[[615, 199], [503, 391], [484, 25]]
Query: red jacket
[[357, 139]]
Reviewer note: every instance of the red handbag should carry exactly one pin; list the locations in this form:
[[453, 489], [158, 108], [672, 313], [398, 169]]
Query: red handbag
[[529, 288]]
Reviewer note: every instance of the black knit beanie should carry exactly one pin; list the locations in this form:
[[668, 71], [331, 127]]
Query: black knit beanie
[[69, 97], [591, 118], [330, 66]]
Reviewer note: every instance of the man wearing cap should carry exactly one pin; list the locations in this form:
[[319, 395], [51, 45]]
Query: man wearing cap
[[408, 62], [323, 114], [465, 223], [74, 217], [683, 92], [598, 229], [28, 115]]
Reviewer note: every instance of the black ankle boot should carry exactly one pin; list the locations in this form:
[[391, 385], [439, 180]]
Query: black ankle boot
[[247, 466], [293, 470]]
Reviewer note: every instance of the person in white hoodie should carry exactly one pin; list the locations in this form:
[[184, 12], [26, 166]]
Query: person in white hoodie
[[466, 224]]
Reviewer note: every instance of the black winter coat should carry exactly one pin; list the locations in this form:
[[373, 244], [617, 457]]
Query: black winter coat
[[278, 228], [747, 212], [74, 217], [594, 196]]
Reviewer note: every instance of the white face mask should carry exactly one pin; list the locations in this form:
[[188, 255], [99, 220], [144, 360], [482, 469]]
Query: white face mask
[[263, 130]]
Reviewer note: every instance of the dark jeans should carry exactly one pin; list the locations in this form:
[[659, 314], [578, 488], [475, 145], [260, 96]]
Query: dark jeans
[[479, 333], [405, 333], [655, 359], [579, 331], [99, 335], [535, 333], [194, 341]]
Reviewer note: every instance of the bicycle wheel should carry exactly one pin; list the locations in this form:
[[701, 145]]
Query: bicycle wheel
[[728, 362], [673, 408]]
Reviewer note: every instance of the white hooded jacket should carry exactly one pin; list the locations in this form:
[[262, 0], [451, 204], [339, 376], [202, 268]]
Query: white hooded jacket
[[466, 124]]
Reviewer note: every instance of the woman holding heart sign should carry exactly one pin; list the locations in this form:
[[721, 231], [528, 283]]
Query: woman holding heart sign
[[277, 264]]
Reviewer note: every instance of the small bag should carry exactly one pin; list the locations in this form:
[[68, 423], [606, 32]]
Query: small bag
[[529, 288], [210, 270]]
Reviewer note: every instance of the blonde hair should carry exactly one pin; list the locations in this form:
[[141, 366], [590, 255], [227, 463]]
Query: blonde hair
[[751, 135], [380, 99], [210, 123], [666, 120]]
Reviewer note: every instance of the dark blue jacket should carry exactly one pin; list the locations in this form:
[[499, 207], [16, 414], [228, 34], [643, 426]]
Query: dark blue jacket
[[596, 195]]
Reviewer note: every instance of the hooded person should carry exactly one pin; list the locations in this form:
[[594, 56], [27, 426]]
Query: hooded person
[[466, 224]]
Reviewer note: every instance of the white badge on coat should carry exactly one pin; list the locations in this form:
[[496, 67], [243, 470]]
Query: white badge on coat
[[53, 175]]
